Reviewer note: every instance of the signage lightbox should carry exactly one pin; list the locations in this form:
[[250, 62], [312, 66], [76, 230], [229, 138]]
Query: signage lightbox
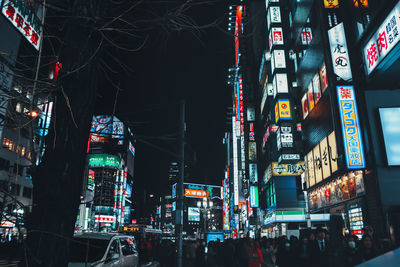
[[339, 52], [350, 127], [294, 169], [193, 214], [254, 196], [24, 20], [104, 160], [383, 40], [253, 173], [390, 121]]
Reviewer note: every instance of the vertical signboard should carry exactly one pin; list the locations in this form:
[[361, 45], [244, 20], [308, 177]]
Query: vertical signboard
[[317, 164], [350, 127], [280, 83], [275, 14], [310, 167], [323, 77], [235, 162], [339, 52], [326, 164], [333, 151], [253, 173], [304, 105], [254, 196]]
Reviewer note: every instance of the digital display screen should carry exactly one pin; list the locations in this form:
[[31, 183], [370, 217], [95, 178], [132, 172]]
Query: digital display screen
[[193, 214]]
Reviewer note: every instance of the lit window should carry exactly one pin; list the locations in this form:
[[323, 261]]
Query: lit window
[[23, 150], [18, 149], [18, 108], [7, 143]]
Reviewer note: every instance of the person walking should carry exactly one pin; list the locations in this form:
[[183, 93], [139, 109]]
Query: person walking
[[255, 256]]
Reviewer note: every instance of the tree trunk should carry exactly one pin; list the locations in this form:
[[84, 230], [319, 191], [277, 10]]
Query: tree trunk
[[57, 182]]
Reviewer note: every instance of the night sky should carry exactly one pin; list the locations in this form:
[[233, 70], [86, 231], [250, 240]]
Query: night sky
[[170, 67]]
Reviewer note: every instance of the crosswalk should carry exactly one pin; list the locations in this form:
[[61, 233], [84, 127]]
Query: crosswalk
[[5, 263]]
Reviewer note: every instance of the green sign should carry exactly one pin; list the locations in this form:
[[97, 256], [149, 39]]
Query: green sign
[[103, 160]]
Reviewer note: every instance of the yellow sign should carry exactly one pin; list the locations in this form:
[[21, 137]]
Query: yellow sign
[[276, 112], [331, 3], [288, 169], [282, 110]]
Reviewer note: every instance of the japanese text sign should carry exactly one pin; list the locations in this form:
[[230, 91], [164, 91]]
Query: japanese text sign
[[350, 127], [282, 110], [275, 36], [288, 169], [275, 14], [339, 52], [195, 193], [24, 19], [383, 41]]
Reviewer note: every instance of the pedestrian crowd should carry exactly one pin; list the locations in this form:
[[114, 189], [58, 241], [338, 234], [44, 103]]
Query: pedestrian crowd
[[312, 249]]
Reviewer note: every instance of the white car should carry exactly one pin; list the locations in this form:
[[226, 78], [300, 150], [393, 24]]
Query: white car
[[103, 250]]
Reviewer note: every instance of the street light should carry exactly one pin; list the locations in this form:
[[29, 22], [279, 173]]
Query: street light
[[204, 206]]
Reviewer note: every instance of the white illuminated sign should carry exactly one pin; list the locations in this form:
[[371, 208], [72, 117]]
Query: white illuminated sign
[[275, 36], [275, 14], [339, 52], [253, 173], [279, 59], [280, 83], [383, 41], [24, 20]]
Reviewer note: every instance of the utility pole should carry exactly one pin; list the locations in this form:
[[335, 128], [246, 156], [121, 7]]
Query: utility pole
[[179, 209]]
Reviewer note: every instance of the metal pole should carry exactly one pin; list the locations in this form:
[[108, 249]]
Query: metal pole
[[179, 210]]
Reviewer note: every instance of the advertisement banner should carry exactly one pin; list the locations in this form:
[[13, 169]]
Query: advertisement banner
[[306, 36], [195, 193], [275, 14], [304, 105], [279, 59], [350, 127], [287, 169], [253, 173], [193, 214], [323, 77], [317, 164], [24, 20], [252, 151], [275, 36], [90, 185], [325, 161], [339, 52], [333, 151], [283, 108], [280, 83], [103, 160], [383, 40], [310, 168], [254, 196]]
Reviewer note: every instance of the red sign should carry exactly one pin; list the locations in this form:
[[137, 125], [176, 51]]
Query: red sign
[[251, 132], [241, 107], [357, 232], [133, 221]]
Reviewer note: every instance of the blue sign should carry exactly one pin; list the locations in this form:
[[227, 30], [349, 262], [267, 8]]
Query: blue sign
[[350, 127]]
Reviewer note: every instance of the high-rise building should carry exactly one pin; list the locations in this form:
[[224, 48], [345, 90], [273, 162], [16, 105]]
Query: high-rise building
[[107, 194]]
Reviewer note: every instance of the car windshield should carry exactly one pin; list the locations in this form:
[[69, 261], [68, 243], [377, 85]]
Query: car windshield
[[87, 249]]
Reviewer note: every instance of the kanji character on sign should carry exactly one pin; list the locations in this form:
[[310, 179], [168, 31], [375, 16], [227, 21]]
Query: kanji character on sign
[[20, 21], [10, 11], [345, 93], [372, 55], [34, 38], [381, 42], [27, 29]]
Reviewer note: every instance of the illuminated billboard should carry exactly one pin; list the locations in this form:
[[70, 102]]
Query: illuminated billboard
[[339, 52], [390, 121], [24, 20], [107, 126], [350, 127], [91, 176], [383, 40], [193, 214], [104, 160], [201, 190], [254, 196]]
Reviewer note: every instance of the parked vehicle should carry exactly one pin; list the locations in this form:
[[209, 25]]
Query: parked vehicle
[[103, 250]]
